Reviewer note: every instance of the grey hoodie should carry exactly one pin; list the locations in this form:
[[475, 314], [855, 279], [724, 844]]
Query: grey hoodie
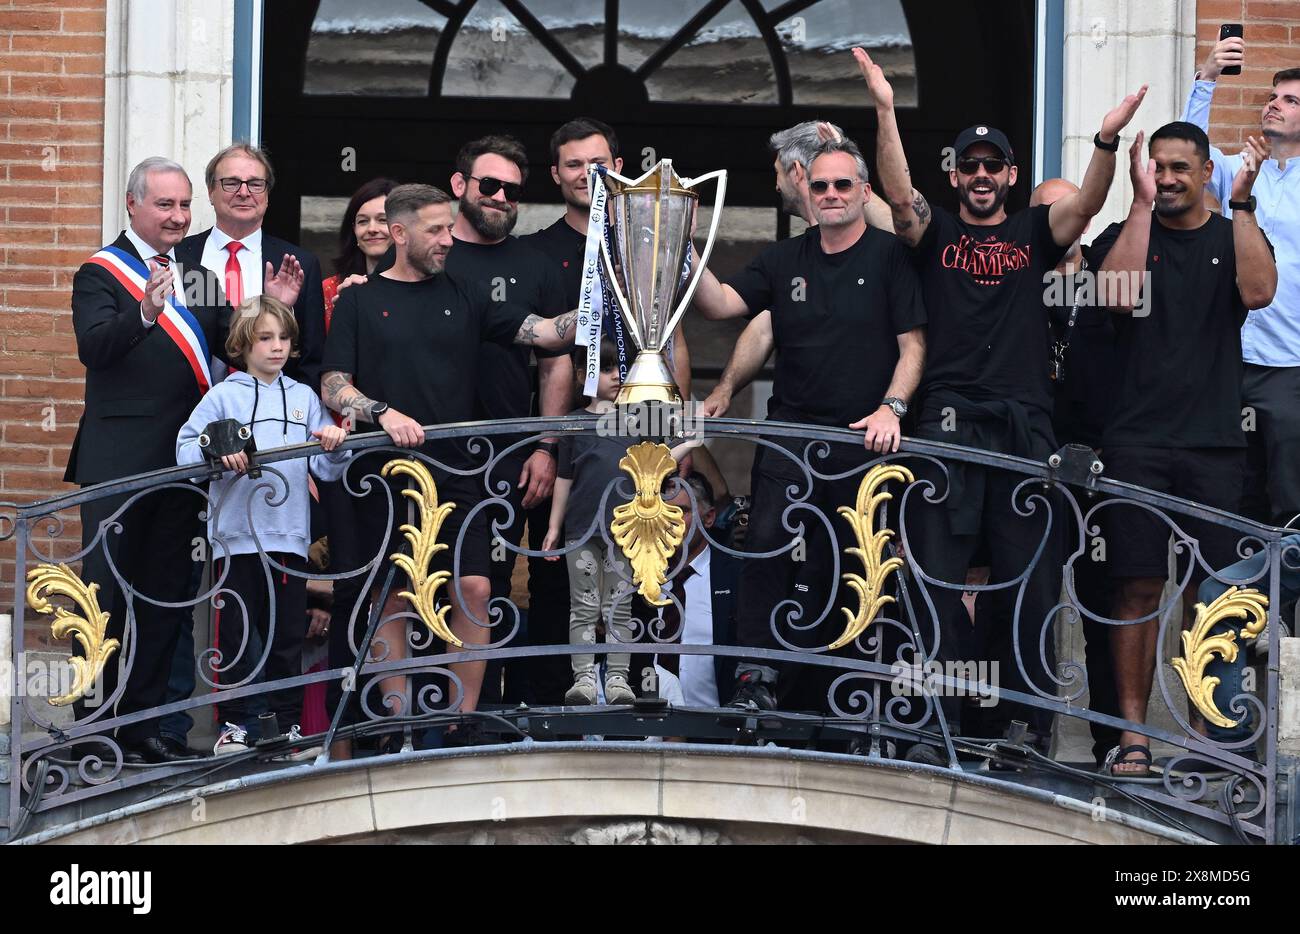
[[282, 413]]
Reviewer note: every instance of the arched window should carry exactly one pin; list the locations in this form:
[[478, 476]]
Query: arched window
[[769, 52]]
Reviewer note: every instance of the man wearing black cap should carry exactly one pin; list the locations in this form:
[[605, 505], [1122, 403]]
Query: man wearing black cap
[[986, 384]]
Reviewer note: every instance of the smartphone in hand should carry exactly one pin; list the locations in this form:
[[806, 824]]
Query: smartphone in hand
[[1229, 31]]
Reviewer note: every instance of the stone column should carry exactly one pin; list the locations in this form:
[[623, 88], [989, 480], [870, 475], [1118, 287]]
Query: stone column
[[167, 92], [1112, 48]]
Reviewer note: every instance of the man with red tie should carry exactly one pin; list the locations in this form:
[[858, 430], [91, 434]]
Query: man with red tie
[[239, 180], [146, 339]]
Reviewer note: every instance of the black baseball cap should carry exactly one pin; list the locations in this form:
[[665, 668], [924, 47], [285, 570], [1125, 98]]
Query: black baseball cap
[[982, 133]]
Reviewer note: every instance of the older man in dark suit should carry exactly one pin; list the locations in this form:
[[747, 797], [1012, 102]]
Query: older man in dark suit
[[146, 345], [244, 257]]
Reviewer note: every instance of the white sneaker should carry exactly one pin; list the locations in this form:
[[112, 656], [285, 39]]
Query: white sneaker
[[233, 739], [617, 690], [299, 753], [583, 692]]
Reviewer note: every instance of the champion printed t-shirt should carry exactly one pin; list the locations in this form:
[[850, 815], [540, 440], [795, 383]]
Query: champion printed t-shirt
[[989, 334]]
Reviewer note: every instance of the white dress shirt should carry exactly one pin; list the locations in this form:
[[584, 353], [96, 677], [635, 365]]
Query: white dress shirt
[[697, 672], [251, 265], [146, 253]]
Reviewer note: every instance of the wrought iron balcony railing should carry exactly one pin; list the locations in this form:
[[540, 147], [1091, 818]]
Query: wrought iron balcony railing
[[865, 624]]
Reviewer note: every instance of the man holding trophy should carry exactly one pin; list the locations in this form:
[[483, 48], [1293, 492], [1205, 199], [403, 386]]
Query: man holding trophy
[[848, 326]]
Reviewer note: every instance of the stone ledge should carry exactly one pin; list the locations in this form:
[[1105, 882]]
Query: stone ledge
[[609, 793]]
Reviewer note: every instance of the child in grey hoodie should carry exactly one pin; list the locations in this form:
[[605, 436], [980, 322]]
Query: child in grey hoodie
[[280, 412]]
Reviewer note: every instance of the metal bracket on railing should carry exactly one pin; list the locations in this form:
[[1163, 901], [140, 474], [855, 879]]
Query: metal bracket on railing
[[1077, 465]]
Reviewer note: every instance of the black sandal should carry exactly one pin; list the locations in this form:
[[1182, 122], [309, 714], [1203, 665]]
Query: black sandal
[[1119, 756]]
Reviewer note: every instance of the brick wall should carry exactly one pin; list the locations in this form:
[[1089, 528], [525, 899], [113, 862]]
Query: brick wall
[[1272, 31], [51, 165]]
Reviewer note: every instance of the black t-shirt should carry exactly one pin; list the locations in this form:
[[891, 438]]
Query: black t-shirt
[[591, 462], [836, 318], [983, 288], [516, 274], [1082, 400], [564, 246], [1180, 364], [415, 345]]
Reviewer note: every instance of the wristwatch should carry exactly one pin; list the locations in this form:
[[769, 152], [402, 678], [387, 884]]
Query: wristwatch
[[548, 446], [378, 409], [1247, 205], [1109, 147], [896, 405]]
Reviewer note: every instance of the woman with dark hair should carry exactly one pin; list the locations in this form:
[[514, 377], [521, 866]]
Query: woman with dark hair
[[363, 237]]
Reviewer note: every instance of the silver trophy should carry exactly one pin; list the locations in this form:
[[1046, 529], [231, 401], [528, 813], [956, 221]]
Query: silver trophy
[[651, 219]]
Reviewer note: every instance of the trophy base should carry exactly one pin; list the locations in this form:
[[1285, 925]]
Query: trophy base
[[649, 380]]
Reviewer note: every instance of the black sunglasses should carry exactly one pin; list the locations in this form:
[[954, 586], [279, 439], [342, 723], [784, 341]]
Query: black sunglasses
[[820, 186], [969, 165], [490, 186]]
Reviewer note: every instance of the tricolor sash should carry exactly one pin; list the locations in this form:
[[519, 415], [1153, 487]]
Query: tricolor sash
[[176, 320]]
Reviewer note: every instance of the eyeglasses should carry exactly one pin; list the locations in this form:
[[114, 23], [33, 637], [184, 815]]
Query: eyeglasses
[[255, 185], [970, 165], [490, 186], [820, 186]]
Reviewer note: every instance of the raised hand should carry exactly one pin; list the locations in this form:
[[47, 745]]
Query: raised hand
[[1226, 52], [1119, 117], [1252, 157], [286, 283], [881, 90], [825, 132], [161, 284], [1143, 176]]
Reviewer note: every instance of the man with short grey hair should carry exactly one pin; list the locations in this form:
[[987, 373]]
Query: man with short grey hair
[[851, 342], [145, 344]]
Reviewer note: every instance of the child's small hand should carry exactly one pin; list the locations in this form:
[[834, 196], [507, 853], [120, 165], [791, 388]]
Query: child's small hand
[[236, 462], [330, 436], [550, 543]]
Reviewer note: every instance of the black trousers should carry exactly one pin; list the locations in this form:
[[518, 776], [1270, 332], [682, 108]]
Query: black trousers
[[1011, 541], [1093, 586], [350, 596], [285, 629], [800, 579], [533, 681], [1272, 492], [153, 554]]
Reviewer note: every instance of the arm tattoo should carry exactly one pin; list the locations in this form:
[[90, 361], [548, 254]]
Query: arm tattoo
[[332, 385], [344, 398], [528, 330], [564, 323], [921, 208]]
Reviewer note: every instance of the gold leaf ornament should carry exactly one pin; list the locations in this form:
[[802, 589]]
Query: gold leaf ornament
[[424, 545], [871, 543], [1199, 646], [89, 629], [647, 529]]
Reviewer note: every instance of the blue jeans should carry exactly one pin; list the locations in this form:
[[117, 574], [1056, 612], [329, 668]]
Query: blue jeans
[[1230, 674]]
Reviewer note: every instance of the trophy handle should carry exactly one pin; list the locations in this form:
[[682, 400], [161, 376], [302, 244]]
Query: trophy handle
[[698, 271]]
